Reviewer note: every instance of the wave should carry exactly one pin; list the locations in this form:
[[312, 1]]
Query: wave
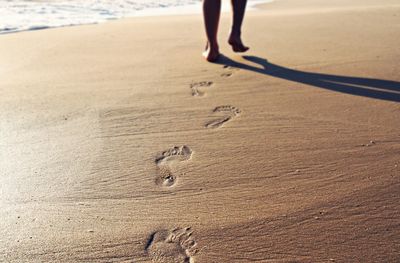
[[22, 15]]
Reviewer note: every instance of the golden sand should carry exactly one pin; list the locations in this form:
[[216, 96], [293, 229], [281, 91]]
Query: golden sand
[[119, 143]]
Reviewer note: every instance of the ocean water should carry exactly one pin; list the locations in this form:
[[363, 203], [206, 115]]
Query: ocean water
[[22, 15]]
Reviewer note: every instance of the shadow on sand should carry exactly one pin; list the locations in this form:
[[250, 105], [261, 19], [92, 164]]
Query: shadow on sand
[[366, 87]]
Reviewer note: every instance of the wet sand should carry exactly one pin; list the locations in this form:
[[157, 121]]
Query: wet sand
[[120, 144]]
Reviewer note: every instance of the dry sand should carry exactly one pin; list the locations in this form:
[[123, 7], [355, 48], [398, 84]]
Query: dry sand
[[120, 144]]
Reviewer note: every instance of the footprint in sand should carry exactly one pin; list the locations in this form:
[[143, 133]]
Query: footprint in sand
[[176, 246], [167, 159], [228, 71], [196, 86], [230, 112]]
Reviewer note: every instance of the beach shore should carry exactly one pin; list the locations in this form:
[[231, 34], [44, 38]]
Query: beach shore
[[119, 143]]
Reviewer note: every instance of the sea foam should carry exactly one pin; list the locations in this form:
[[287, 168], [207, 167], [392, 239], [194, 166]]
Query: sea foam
[[18, 15]]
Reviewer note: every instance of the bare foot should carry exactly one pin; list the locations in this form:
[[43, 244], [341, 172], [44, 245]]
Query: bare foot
[[237, 44], [211, 53]]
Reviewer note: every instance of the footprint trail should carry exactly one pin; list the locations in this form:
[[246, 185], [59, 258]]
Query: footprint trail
[[197, 87], [229, 112], [165, 162], [229, 71], [176, 246]]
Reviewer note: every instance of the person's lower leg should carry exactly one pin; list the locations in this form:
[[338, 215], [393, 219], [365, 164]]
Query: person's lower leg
[[238, 8], [211, 11]]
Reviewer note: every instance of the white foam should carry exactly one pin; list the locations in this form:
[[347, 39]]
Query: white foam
[[21, 15]]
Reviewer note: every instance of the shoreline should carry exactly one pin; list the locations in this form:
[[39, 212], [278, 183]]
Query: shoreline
[[183, 10]]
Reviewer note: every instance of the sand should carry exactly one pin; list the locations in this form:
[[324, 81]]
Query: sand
[[119, 143]]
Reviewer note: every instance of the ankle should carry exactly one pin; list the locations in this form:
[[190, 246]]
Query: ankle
[[235, 34], [213, 45]]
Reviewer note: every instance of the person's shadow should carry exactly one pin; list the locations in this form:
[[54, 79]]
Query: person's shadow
[[367, 87]]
